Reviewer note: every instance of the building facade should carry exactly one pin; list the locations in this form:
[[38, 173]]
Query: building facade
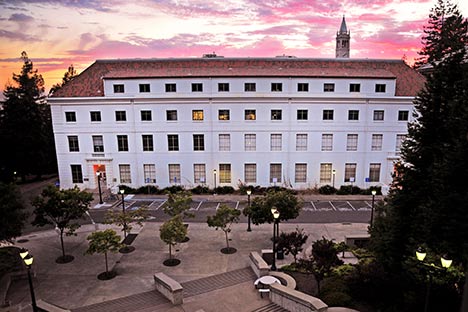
[[218, 121]]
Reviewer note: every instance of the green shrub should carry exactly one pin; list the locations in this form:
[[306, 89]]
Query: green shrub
[[200, 189], [224, 190], [378, 190], [127, 189], [348, 189], [337, 299], [150, 189], [327, 190], [173, 189]]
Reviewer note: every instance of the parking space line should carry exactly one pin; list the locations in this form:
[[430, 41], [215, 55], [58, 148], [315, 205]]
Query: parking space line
[[198, 207], [350, 205], [237, 205], [313, 205], [217, 206], [157, 208], [334, 208], [370, 206]]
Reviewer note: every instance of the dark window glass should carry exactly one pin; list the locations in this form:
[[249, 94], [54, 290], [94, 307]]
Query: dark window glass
[[223, 87], [302, 114], [198, 142], [95, 116], [173, 142], [223, 114], [353, 115], [403, 115], [378, 115], [73, 145], [171, 115], [146, 115], [276, 114], [380, 88], [197, 87], [328, 87], [354, 87], [147, 140], [276, 87], [328, 114], [302, 87], [122, 143], [250, 87], [70, 116], [77, 174], [145, 87], [119, 88], [120, 116], [171, 87]]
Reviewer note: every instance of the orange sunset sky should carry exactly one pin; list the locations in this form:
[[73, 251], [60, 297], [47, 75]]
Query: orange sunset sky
[[57, 33]]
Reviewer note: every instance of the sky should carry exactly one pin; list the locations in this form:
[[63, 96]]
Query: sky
[[59, 33]]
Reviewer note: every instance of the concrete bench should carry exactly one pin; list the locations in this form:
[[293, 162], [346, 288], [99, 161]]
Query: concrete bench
[[258, 265], [293, 300], [361, 240], [169, 288]]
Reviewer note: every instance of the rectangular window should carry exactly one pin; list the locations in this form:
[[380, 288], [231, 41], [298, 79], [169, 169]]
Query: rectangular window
[[276, 142], [149, 171], [354, 87], [353, 115], [119, 88], [197, 87], [328, 114], [403, 115], [250, 87], [224, 142], [223, 87], [276, 87], [70, 116], [146, 115], [122, 143], [77, 174], [95, 116], [198, 142], [171, 87], [350, 173], [250, 173], [147, 142], [125, 174], [250, 114], [327, 142], [120, 116], [399, 141], [98, 144], [325, 173], [302, 114], [376, 142], [275, 173], [197, 114], [380, 88], [276, 114], [300, 175], [378, 115], [328, 87], [301, 142], [199, 173], [224, 173], [144, 87], [351, 142], [302, 87], [173, 142], [171, 115], [250, 142], [223, 114], [73, 145], [174, 173], [374, 172]]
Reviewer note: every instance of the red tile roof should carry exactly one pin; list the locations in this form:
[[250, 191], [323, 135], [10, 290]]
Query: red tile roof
[[90, 82]]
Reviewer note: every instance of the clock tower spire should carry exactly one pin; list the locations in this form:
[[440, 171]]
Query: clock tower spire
[[342, 41]]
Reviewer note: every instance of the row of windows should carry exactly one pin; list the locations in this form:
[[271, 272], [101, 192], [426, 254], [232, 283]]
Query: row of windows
[[251, 87], [250, 173], [250, 142], [225, 114]]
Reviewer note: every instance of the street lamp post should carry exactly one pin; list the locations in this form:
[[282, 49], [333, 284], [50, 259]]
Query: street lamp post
[[276, 215], [28, 260], [431, 268], [333, 177], [98, 174], [214, 174], [249, 191], [122, 191], [372, 207]]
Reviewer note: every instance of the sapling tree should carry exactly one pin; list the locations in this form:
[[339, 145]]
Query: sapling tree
[[291, 243], [223, 220], [104, 242], [172, 232]]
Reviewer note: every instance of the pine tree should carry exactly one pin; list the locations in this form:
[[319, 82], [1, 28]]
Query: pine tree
[[26, 126], [428, 202]]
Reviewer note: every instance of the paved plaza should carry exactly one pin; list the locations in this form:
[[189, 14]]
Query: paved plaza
[[75, 285]]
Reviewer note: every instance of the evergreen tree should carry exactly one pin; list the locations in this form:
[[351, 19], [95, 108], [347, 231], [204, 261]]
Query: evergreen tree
[[69, 75], [428, 202], [12, 215], [26, 126]]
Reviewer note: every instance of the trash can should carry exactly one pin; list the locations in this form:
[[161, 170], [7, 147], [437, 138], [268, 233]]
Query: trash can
[[280, 255]]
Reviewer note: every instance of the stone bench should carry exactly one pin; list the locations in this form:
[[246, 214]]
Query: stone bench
[[258, 265], [293, 300], [169, 288]]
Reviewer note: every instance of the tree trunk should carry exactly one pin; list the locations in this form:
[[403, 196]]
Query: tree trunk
[[170, 251], [227, 240], [61, 242], [107, 268]]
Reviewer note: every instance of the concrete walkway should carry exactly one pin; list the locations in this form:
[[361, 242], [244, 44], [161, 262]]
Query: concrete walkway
[[75, 285]]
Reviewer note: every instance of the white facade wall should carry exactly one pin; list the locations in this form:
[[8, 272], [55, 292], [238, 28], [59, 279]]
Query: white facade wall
[[158, 101]]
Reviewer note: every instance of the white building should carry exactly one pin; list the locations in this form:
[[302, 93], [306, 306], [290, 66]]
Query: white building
[[212, 120]]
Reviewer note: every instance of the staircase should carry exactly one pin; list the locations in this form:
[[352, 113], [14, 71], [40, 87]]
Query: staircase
[[271, 307]]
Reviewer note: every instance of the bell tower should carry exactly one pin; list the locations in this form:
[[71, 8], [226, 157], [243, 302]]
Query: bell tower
[[342, 41]]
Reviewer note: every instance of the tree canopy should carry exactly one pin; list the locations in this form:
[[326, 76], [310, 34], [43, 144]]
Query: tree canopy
[[428, 199], [26, 126], [12, 215], [292, 242], [285, 202], [172, 232], [223, 220], [67, 76]]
